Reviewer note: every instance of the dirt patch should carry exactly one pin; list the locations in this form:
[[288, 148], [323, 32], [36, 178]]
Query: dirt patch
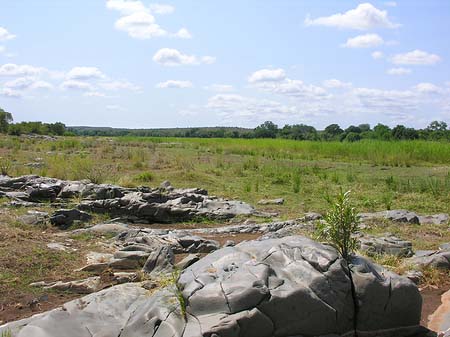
[[431, 297]]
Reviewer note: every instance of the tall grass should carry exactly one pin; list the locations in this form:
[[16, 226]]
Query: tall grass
[[398, 153]]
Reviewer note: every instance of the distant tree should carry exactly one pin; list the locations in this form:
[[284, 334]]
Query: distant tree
[[364, 127], [382, 132], [266, 130], [299, 132], [352, 137], [437, 126], [354, 129], [400, 132], [5, 119], [332, 131], [57, 128]]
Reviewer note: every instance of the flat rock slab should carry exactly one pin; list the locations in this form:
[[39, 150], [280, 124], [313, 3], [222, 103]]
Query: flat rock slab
[[439, 321], [405, 216]]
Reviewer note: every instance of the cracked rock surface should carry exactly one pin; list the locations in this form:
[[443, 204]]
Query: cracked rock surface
[[284, 287]]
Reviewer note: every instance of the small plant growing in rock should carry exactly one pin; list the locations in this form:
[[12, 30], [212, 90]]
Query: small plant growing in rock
[[340, 225], [171, 282], [6, 333]]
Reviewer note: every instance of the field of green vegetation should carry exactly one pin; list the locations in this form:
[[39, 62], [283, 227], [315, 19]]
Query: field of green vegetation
[[382, 175]]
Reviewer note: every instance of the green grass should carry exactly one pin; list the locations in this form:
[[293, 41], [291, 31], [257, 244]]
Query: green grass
[[409, 174]]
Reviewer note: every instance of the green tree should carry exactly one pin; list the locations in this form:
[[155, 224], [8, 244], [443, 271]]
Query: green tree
[[5, 119], [266, 130], [332, 131]]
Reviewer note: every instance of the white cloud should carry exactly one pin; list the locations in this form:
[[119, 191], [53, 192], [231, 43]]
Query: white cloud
[[232, 107], [118, 85], [428, 88], [220, 87], [336, 84], [208, 59], [10, 93], [77, 85], [183, 33], [363, 17], [395, 102], [94, 94], [126, 6], [2, 49], [264, 75], [41, 85], [399, 71], [84, 73], [5, 35], [20, 83], [376, 55], [364, 41], [11, 69], [138, 21], [161, 9], [140, 25], [172, 57], [416, 57], [174, 84]]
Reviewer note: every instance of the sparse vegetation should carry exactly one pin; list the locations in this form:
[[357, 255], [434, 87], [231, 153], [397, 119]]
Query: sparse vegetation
[[341, 223]]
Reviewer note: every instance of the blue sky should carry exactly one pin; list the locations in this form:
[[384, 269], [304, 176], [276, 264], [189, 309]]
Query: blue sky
[[142, 64]]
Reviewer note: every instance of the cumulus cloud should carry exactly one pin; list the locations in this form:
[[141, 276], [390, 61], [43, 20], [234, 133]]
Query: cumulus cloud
[[139, 21], [77, 85], [399, 71], [428, 88], [364, 17], [416, 57], [10, 93], [267, 75], [275, 81], [172, 57], [336, 84], [376, 55], [84, 73], [233, 106], [11, 70], [5, 35], [364, 41], [174, 84]]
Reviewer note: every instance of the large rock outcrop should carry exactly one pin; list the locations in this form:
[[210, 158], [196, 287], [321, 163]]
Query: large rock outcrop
[[277, 287], [142, 204]]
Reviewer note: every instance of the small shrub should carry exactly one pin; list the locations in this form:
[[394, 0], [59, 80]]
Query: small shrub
[[5, 166], [144, 177], [341, 222], [6, 333]]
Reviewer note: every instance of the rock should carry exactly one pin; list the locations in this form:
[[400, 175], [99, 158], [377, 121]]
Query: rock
[[187, 261], [86, 286], [445, 246], [415, 276], [229, 243], [160, 261], [312, 216], [281, 287], [33, 218], [431, 258], [64, 218], [404, 216], [278, 201], [102, 229], [104, 313], [195, 244], [387, 244], [439, 321], [57, 246], [166, 185], [436, 219]]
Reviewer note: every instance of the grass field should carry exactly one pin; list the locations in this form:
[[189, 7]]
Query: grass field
[[382, 175]]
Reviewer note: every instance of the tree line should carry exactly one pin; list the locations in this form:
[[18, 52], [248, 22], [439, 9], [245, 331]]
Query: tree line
[[437, 130], [38, 128]]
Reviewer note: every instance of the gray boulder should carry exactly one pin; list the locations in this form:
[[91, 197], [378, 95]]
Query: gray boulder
[[161, 260], [387, 244], [431, 258], [277, 201], [280, 287], [64, 218]]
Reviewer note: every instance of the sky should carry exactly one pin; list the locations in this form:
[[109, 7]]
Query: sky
[[143, 64]]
